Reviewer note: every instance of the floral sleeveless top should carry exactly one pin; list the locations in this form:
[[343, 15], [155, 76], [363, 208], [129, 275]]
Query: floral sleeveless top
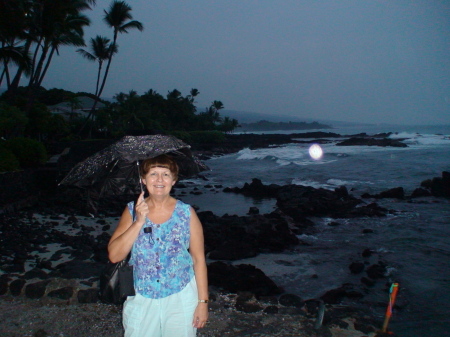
[[161, 262]]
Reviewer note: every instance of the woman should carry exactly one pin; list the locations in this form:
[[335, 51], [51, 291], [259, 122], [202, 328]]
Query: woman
[[165, 238]]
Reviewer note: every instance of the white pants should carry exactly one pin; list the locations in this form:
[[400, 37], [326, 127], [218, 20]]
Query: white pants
[[171, 316]]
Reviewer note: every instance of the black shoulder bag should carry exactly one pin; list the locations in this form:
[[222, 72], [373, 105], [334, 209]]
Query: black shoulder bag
[[116, 282]]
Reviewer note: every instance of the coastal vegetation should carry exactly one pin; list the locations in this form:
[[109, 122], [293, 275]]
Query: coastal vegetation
[[31, 34], [129, 113]]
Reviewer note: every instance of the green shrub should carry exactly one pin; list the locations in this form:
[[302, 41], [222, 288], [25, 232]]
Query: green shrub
[[8, 161], [29, 152], [202, 137], [12, 121]]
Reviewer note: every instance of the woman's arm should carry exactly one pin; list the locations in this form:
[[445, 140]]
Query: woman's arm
[[127, 231], [197, 250]]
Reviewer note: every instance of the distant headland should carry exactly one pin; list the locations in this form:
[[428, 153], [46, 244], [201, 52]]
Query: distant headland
[[265, 125]]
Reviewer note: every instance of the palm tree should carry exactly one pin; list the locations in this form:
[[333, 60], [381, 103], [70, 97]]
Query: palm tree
[[15, 55], [228, 124], [116, 18], [174, 95], [101, 49], [213, 111], [12, 31], [67, 32], [217, 105], [194, 93], [28, 32], [48, 24]]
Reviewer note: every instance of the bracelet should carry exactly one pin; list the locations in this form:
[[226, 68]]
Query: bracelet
[[203, 301]]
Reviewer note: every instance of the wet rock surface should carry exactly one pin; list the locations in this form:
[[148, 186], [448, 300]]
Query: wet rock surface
[[299, 202], [51, 261], [370, 141], [51, 264], [438, 186]]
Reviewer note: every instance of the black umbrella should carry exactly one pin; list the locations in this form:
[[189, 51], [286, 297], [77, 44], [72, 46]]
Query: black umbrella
[[114, 170]]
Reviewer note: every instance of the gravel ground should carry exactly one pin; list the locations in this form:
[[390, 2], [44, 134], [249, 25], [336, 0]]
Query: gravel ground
[[24, 317]]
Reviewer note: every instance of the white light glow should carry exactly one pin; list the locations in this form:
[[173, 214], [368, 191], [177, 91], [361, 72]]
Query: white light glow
[[315, 151]]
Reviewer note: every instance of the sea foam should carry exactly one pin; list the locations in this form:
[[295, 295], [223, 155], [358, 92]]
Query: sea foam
[[422, 139]]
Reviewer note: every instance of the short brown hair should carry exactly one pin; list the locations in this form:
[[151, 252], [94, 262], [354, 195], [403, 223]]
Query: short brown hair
[[162, 160]]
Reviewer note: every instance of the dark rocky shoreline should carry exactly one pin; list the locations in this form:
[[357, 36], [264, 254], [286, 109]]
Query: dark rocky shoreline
[[227, 238], [236, 142]]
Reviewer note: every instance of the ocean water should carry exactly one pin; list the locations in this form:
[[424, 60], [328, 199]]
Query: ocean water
[[414, 241]]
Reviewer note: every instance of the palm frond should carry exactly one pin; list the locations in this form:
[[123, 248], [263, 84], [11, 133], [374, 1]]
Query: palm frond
[[86, 55], [131, 25]]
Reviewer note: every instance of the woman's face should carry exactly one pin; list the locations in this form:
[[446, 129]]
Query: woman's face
[[159, 181]]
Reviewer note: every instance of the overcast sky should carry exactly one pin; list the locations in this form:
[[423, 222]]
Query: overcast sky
[[363, 61]]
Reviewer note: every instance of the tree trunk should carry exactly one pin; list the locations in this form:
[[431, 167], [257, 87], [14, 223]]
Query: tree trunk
[[97, 97], [98, 77], [16, 81], [34, 80], [8, 79], [33, 64], [1, 77], [108, 65], [5, 66], [5, 72], [46, 66]]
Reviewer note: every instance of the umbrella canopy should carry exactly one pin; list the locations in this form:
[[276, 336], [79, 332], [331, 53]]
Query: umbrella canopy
[[114, 170]]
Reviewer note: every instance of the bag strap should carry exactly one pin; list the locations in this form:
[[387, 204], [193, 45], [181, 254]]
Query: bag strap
[[133, 212], [128, 256], [133, 216]]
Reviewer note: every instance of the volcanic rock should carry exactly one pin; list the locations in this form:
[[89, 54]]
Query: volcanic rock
[[372, 142], [242, 277], [246, 302], [335, 296], [35, 273], [36, 290], [3, 284], [356, 267], [420, 192], [438, 186], [368, 282], [61, 293], [88, 295], [396, 192], [367, 252], [256, 189], [298, 201], [376, 271], [237, 237], [371, 210], [16, 287], [291, 300]]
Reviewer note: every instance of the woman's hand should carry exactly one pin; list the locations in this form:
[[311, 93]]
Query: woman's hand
[[200, 316], [141, 209]]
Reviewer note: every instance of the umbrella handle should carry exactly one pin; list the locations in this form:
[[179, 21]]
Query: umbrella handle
[[139, 176]]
